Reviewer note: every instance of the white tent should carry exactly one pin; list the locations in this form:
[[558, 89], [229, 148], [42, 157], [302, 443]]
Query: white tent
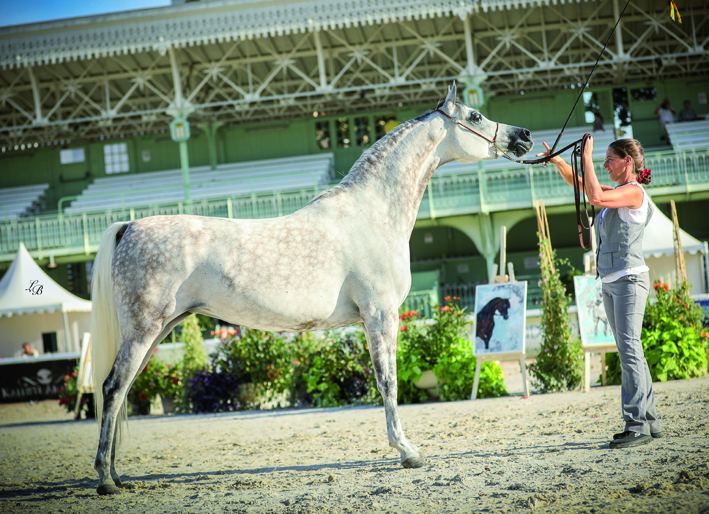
[[32, 304], [659, 252], [658, 247]]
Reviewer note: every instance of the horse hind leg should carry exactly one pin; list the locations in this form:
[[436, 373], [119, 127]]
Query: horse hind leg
[[131, 358], [139, 354], [381, 329]]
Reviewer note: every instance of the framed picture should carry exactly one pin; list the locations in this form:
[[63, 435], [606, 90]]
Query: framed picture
[[593, 323], [500, 311]]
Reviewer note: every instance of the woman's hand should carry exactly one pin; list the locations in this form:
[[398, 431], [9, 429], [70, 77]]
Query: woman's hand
[[588, 149], [556, 160]]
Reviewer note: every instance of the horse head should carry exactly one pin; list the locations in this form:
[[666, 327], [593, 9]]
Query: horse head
[[504, 307], [474, 138]]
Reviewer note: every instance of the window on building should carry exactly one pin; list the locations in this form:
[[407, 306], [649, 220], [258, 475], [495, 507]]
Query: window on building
[[643, 94], [116, 158], [72, 156], [591, 104], [362, 131], [322, 134], [621, 113], [379, 123], [343, 133]]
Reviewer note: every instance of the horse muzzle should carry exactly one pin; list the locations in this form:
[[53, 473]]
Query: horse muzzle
[[520, 141]]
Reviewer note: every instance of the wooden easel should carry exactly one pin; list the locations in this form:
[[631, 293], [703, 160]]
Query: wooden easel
[[83, 379], [520, 356]]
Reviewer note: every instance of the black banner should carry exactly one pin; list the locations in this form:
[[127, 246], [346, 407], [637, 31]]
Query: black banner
[[33, 379]]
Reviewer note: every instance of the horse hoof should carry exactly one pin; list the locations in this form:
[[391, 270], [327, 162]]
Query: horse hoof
[[413, 462], [105, 489]]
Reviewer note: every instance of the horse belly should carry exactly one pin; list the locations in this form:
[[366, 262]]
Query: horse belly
[[276, 299]]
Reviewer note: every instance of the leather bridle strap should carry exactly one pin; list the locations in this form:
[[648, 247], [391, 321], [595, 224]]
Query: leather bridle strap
[[492, 141], [579, 189]]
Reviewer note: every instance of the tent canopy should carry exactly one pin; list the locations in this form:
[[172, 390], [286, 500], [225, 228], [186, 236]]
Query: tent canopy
[[26, 289], [659, 238]]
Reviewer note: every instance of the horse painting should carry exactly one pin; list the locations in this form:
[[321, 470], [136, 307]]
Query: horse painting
[[342, 259], [599, 313], [486, 318]]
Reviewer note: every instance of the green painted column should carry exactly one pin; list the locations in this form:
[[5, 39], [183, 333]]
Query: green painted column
[[185, 164], [211, 130]]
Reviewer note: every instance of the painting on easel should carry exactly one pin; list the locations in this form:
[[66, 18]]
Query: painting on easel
[[593, 323], [500, 315]]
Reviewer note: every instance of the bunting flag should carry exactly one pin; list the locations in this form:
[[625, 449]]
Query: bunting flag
[[673, 10]]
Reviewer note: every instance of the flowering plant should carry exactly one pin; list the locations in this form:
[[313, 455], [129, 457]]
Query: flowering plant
[[674, 339], [69, 395], [145, 387], [442, 347], [255, 357], [339, 371]]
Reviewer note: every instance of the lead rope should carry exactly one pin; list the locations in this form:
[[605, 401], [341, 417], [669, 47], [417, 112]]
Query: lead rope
[[576, 154], [579, 190]]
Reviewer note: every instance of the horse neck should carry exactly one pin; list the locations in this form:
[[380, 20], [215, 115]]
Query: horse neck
[[394, 173]]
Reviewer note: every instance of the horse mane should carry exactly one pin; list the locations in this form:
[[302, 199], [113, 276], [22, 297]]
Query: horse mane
[[371, 163], [485, 311]]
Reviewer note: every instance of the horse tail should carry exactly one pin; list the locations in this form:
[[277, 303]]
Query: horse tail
[[105, 333]]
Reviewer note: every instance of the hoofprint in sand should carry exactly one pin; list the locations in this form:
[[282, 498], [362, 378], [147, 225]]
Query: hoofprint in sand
[[548, 453]]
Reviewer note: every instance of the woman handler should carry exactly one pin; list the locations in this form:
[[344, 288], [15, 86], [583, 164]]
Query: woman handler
[[624, 275]]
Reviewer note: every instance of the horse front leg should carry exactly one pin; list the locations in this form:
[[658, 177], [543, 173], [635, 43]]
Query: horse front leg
[[381, 328]]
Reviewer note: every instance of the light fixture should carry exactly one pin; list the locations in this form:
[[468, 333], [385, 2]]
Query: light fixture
[[51, 264]]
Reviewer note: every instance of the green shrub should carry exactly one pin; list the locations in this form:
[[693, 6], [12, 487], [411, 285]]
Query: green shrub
[[559, 365], [673, 338], [258, 358], [340, 371]]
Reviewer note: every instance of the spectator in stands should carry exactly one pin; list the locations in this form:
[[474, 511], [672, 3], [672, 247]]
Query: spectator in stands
[[28, 351], [598, 122], [624, 276], [688, 114], [666, 114]]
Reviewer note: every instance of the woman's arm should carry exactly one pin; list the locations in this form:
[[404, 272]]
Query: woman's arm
[[561, 165], [607, 197]]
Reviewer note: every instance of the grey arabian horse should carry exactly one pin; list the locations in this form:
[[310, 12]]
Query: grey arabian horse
[[342, 259]]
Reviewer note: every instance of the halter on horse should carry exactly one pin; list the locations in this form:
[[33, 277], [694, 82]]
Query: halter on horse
[[343, 259]]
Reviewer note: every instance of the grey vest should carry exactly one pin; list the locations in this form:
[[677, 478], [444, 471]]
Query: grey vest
[[620, 244]]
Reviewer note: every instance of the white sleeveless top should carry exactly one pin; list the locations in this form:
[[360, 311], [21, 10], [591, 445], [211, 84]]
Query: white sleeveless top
[[636, 217]]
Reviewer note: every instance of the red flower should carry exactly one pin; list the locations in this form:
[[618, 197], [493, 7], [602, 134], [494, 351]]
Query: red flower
[[456, 298], [142, 396], [403, 328], [447, 298]]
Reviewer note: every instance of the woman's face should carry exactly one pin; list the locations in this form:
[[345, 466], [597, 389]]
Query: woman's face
[[616, 165]]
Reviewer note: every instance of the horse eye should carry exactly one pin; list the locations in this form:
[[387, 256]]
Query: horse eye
[[475, 117]]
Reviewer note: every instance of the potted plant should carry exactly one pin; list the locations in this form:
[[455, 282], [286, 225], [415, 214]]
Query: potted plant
[[145, 388], [169, 385]]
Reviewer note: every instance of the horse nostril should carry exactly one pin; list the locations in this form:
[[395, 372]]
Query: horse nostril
[[527, 134]]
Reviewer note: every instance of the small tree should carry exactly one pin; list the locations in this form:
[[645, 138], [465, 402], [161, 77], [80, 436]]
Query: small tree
[[559, 365], [194, 357]]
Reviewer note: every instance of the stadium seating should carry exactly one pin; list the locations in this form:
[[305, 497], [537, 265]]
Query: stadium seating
[[228, 180], [689, 135], [21, 201], [601, 140]]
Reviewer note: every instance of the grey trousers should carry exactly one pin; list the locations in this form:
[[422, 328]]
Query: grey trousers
[[624, 301]]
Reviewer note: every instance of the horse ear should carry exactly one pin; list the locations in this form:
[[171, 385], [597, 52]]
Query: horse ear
[[452, 93]]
